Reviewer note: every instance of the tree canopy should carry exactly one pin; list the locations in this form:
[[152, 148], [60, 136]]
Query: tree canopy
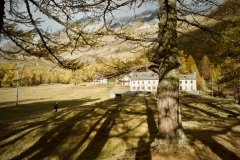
[[34, 41]]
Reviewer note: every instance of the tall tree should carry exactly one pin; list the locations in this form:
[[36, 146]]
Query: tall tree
[[2, 4], [206, 68], [191, 65], [215, 75], [166, 65], [192, 68], [230, 59], [183, 60]]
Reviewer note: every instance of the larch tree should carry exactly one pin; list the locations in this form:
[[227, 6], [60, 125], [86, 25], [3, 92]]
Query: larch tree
[[215, 75], [192, 68], [182, 60], [206, 68], [230, 59], [174, 17]]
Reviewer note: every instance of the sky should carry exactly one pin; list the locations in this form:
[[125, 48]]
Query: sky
[[52, 26]]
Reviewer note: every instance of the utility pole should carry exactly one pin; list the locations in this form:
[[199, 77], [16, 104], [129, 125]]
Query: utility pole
[[212, 86], [17, 84]]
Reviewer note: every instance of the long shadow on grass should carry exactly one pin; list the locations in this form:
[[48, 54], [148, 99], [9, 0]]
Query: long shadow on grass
[[19, 137], [11, 135], [96, 145], [106, 114], [87, 135], [22, 111], [9, 115], [53, 138], [202, 110], [13, 103], [221, 108], [143, 151], [206, 137], [63, 128]]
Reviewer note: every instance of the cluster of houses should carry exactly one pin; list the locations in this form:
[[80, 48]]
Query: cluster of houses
[[148, 81]]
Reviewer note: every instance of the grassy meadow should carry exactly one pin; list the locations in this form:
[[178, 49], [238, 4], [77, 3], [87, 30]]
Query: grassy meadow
[[89, 125]]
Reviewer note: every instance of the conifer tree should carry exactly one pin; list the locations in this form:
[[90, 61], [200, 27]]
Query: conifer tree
[[215, 75], [182, 60], [206, 68], [192, 68]]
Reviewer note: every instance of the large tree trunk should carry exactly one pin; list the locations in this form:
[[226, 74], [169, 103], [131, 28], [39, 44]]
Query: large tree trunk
[[165, 57], [2, 2], [169, 118]]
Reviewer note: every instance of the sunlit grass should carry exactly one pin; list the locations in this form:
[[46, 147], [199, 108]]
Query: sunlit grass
[[96, 127]]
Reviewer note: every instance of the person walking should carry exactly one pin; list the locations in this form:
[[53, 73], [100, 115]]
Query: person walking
[[56, 107]]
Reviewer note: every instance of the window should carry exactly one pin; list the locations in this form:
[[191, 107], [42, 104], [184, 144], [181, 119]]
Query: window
[[143, 88], [138, 82], [149, 88], [185, 88], [133, 88], [153, 82], [142, 82], [138, 88], [191, 82], [191, 88], [148, 82], [154, 88], [180, 88], [186, 82], [180, 82], [133, 82]]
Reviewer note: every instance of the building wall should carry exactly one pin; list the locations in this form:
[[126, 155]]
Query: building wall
[[104, 81], [125, 81], [187, 85], [100, 81], [143, 85], [151, 85], [126, 78]]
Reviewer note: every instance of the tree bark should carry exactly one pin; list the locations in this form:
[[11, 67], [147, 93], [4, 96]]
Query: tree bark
[[2, 2], [169, 120]]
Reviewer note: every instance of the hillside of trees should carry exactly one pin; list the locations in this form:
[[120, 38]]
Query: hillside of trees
[[217, 60], [200, 52], [31, 75]]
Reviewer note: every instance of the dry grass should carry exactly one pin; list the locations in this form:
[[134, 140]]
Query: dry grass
[[55, 92], [95, 127]]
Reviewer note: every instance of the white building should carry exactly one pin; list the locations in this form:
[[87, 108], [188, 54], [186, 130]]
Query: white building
[[148, 81], [188, 82], [143, 81], [100, 80], [125, 81]]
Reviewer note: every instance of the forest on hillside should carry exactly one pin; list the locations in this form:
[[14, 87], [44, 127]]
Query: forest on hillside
[[215, 60], [208, 74]]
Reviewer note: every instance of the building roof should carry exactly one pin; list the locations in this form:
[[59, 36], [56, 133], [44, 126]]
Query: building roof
[[98, 77], [153, 76], [188, 76], [143, 76]]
